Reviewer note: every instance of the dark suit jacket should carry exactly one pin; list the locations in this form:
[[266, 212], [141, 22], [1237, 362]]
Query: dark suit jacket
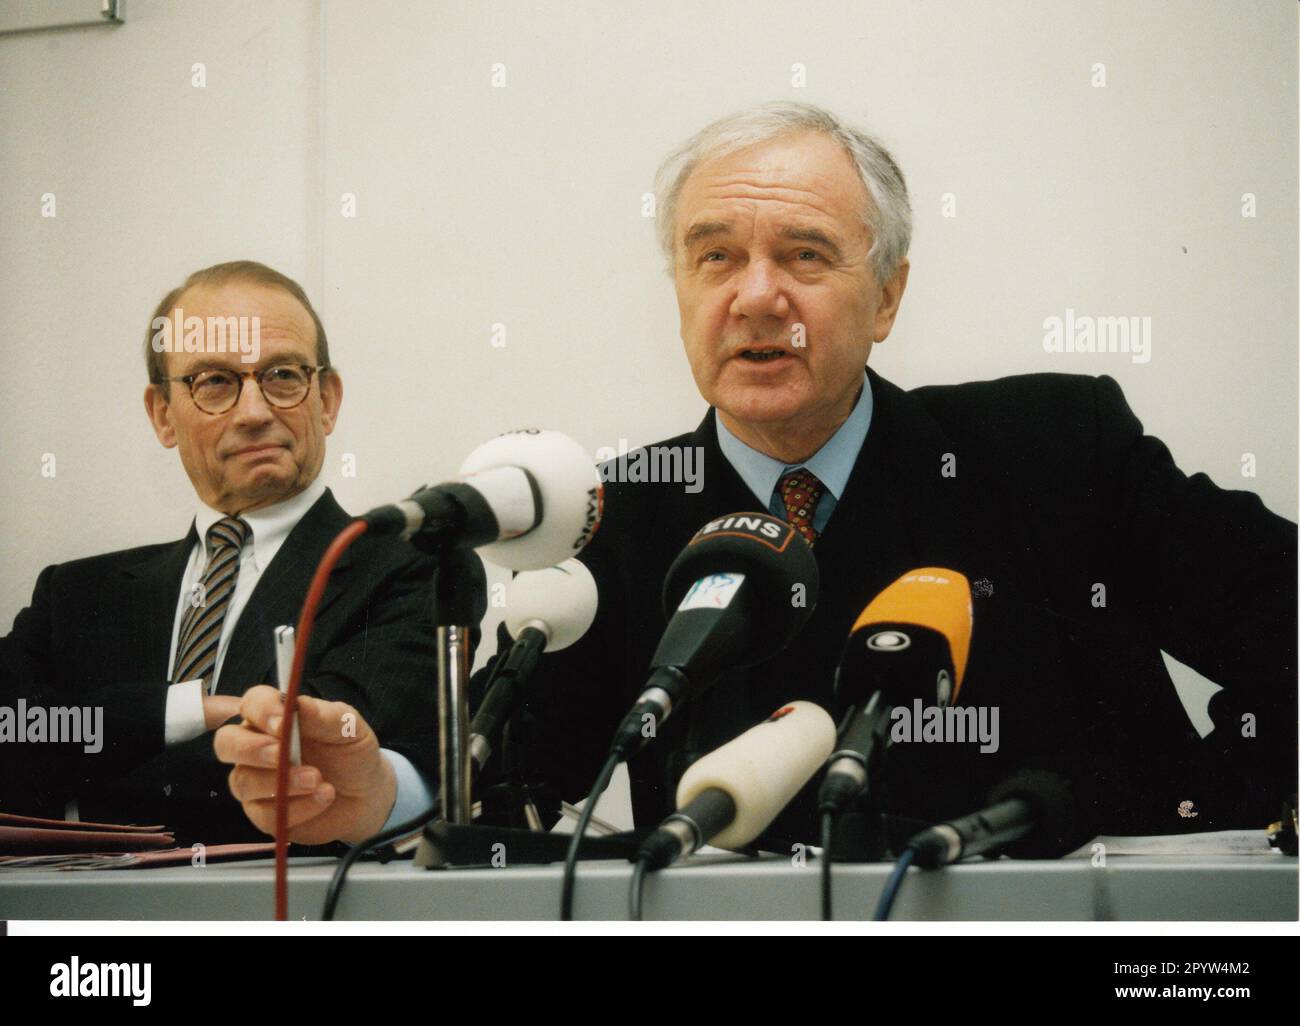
[[98, 632], [1056, 490]]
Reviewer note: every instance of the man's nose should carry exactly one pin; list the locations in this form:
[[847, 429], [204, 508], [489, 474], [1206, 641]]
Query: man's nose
[[252, 407], [760, 292]]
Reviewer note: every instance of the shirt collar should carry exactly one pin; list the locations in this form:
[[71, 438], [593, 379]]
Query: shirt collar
[[833, 463], [268, 526]]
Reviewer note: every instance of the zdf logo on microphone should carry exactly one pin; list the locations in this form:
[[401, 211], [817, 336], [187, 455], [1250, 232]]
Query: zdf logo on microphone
[[925, 579]]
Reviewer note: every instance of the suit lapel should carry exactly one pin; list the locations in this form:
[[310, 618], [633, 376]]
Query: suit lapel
[[149, 614], [277, 599]]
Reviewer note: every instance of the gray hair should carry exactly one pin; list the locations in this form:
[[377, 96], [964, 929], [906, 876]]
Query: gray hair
[[889, 218]]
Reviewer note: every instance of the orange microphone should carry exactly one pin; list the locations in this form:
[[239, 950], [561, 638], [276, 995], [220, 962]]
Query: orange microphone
[[911, 642], [915, 632]]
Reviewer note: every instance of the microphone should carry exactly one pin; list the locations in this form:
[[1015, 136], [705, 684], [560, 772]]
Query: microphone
[[547, 610], [732, 795], [529, 499], [1031, 815], [737, 594], [911, 641]]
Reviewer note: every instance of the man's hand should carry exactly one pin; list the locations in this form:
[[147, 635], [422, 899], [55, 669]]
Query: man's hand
[[344, 789]]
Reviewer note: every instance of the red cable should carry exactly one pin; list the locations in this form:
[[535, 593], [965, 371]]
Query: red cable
[[303, 634]]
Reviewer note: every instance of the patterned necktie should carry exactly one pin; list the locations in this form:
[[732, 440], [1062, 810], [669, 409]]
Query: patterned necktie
[[801, 491], [196, 654]]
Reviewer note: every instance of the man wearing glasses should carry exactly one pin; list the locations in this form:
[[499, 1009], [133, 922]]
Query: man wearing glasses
[[166, 639]]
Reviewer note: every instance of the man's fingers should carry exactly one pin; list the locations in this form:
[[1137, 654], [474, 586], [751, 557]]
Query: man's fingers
[[259, 704], [240, 745], [326, 722], [248, 784], [301, 810], [217, 709], [318, 720]]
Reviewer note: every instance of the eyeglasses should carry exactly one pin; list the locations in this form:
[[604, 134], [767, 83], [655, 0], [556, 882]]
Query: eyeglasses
[[284, 386]]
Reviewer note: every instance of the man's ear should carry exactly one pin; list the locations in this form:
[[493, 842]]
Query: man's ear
[[331, 398], [890, 298], [159, 410]]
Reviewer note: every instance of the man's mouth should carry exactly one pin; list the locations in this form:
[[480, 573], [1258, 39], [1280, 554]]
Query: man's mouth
[[257, 450], [764, 354]]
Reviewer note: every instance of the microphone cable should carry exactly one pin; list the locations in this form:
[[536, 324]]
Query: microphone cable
[[637, 888], [571, 857], [892, 885], [335, 890], [828, 835]]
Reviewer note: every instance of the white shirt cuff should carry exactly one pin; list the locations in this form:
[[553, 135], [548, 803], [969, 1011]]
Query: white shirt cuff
[[184, 717]]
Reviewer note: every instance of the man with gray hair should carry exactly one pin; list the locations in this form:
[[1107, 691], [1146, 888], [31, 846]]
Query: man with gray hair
[[786, 233]]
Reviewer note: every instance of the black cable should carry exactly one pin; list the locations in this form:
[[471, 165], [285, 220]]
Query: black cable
[[386, 837], [892, 885], [571, 858], [828, 835], [637, 889]]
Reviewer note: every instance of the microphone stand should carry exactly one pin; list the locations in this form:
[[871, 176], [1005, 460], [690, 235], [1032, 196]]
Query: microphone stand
[[459, 602]]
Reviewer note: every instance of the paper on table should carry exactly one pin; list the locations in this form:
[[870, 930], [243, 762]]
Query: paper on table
[[139, 859], [1218, 842], [90, 861]]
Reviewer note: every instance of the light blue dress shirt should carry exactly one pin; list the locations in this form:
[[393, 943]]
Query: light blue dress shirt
[[832, 463]]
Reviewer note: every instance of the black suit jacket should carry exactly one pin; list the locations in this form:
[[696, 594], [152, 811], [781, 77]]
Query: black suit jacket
[[98, 633], [1056, 490]]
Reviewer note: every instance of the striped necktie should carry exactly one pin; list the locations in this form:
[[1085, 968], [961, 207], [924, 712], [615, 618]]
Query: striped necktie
[[801, 491], [196, 654]]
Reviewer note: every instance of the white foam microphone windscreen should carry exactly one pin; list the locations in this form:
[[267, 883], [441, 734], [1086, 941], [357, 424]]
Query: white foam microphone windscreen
[[571, 492], [560, 601], [763, 768]]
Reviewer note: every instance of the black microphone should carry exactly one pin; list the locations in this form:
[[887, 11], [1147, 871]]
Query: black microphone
[[1031, 815], [863, 738], [503, 502], [737, 594]]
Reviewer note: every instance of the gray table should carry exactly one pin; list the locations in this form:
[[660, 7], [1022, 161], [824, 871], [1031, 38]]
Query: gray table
[[1224, 888]]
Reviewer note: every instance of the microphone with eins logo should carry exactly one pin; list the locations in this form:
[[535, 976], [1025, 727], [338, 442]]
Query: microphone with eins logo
[[737, 594]]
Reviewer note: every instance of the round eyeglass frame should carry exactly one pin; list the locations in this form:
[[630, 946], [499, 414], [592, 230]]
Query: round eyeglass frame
[[189, 380]]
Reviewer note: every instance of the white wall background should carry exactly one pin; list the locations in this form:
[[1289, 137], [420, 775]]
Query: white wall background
[[478, 205]]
